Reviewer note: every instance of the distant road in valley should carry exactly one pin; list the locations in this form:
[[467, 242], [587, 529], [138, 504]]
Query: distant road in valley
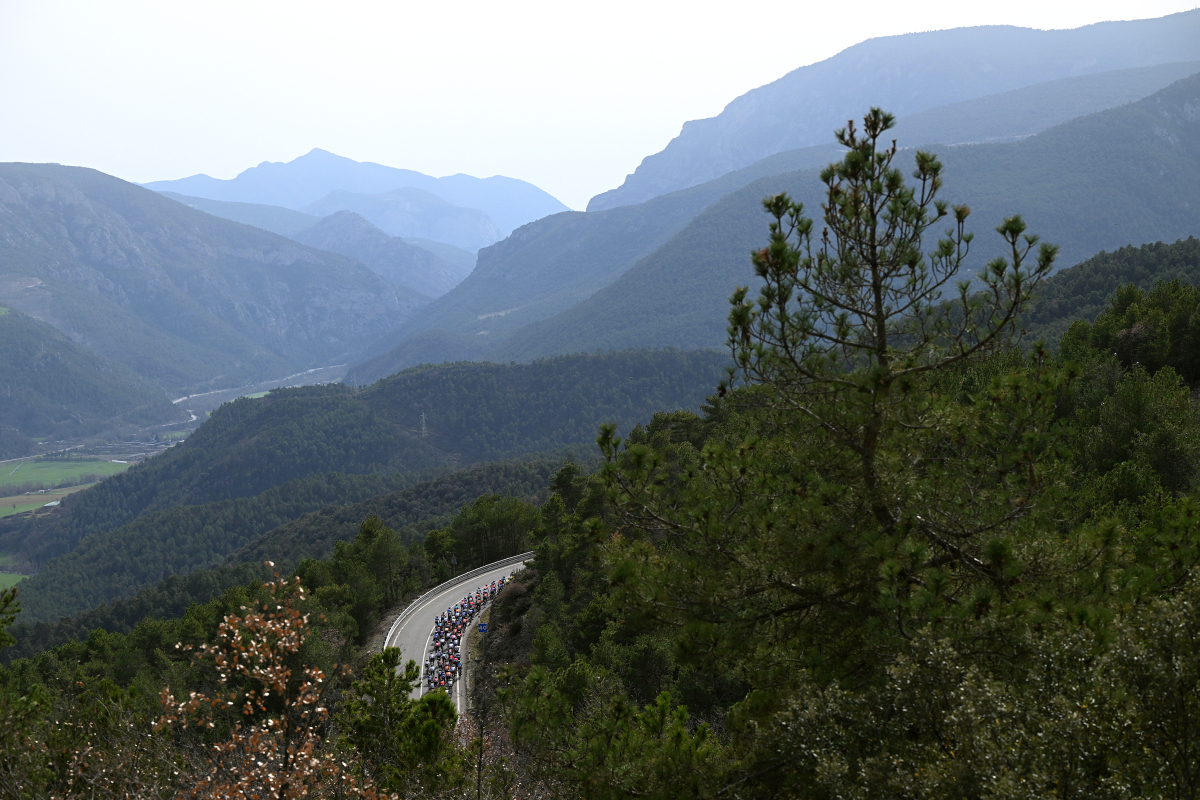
[[210, 401]]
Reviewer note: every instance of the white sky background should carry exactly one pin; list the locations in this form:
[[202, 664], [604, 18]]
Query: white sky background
[[567, 96]]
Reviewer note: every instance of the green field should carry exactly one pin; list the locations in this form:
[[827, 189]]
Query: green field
[[256, 394], [12, 505], [17, 504], [55, 473], [8, 579]]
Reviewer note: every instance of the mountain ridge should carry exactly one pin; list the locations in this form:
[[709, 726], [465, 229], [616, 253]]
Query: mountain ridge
[[1085, 185], [907, 74], [589, 252], [51, 386], [509, 202], [187, 300], [349, 234], [414, 213]]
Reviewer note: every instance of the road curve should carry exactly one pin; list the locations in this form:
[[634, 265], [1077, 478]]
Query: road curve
[[411, 630]]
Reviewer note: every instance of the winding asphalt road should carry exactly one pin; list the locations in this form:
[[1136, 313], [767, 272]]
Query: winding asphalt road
[[412, 630]]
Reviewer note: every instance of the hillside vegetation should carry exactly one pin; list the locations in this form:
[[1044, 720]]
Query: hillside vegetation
[[1094, 183], [895, 555], [300, 519], [1083, 291], [229, 481], [52, 387], [546, 268]]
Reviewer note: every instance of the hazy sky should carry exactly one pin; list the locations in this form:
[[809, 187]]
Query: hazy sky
[[569, 96]]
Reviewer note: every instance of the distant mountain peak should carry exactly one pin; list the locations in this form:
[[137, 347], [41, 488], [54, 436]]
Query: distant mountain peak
[[301, 182]]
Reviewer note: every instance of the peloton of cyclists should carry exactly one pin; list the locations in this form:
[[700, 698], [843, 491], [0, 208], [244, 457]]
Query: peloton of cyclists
[[442, 663]]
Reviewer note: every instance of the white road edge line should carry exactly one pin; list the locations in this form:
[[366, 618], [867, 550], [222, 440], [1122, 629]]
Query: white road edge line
[[415, 605]]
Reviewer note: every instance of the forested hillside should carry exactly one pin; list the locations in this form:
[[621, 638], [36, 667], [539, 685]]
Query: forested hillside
[[1094, 183], [52, 387], [182, 298], [300, 519], [1081, 292], [545, 268], [257, 463], [894, 555], [344, 597]]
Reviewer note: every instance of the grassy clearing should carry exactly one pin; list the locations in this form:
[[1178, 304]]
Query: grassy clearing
[[8, 579], [55, 473], [256, 394], [173, 435], [12, 505], [16, 504]]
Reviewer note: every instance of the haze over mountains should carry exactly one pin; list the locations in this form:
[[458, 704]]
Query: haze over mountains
[[1091, 184], [395, 263], [906, 74], [414, 213], [350, 235], [390, 278], [558, 261], [309, 180], [181, 298]]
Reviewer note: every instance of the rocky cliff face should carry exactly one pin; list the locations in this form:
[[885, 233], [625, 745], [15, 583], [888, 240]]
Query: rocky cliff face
[[181, 297]]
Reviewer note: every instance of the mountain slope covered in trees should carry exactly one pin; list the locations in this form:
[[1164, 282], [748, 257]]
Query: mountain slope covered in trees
[[546, 268], [52, 387], [1083, 291], [432, 418], [182, 298], [586, 626], [1095, 183], [300, 519], [898, 557], [907, 74]]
